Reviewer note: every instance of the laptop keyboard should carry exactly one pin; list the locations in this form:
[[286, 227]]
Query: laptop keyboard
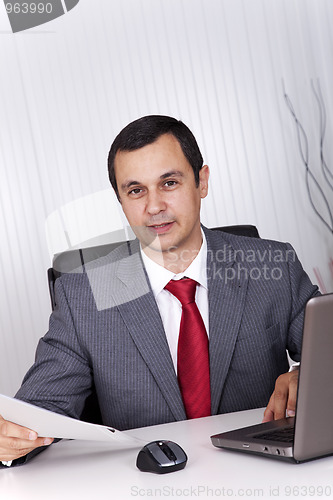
[[285, 435]]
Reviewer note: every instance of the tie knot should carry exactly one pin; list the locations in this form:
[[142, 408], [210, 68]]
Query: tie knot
[[183, 290]]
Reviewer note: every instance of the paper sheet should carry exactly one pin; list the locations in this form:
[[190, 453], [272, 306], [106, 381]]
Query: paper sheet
[[49, 424]]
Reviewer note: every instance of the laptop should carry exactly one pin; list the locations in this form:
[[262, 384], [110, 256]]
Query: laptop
[[309, 434]]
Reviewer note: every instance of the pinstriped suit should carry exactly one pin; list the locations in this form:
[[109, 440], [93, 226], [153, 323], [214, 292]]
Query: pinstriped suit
[[107, 328]]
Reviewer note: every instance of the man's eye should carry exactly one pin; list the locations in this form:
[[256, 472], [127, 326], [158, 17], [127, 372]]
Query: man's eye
[[170, 183], [135, 191]]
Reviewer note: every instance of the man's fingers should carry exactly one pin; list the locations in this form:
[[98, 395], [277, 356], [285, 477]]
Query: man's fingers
[[280, 397], [16, 441], [269, 412], [268, 415], [12, 450], [283, 398], [16, 431], [292, 395]]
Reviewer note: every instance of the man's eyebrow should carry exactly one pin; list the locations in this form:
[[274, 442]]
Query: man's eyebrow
[[172, 173], [128, 184]]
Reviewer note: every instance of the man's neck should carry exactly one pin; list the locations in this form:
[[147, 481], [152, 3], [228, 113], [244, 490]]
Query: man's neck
[[172, 261], [175, 260]]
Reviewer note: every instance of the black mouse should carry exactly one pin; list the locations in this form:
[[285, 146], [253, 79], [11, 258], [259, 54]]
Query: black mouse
[[161, 457]]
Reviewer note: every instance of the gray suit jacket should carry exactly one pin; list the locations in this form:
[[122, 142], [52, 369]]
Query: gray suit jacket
[[107, 331]]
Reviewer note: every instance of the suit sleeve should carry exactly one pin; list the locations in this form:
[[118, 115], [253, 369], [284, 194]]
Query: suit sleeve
[[301, 290], [60, 379]]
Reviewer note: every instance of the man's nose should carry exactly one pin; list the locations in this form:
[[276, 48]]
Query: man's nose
[[155, 203]]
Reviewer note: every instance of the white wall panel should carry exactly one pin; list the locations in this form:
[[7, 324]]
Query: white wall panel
[[67, 87]]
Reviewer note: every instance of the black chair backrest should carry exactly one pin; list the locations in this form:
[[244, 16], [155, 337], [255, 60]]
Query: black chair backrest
[[69, 260]]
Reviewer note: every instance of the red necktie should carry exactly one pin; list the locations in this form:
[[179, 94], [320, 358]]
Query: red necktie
[[193, 355]]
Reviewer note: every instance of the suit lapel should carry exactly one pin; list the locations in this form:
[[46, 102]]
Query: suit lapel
[[142, 318], [226, 294]]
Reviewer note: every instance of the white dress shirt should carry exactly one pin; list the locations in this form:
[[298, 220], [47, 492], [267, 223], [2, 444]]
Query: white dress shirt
[[169, 306]]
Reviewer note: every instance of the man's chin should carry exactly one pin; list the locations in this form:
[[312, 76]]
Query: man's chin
[[157, 246], [150, 240]]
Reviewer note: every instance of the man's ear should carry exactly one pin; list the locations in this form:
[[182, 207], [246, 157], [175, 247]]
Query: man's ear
[[203, 181]]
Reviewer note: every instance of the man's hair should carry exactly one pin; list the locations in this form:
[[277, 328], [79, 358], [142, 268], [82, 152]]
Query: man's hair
[[147, 130]]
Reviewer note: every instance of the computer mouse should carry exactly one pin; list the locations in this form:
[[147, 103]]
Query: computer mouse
[[161, 457]]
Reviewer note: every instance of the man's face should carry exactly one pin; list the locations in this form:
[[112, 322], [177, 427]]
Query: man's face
[[159, 197]]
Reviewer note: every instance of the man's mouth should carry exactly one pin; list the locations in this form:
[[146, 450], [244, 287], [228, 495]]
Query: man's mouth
[[160, 228]]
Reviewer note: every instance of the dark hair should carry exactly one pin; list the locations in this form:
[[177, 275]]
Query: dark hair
[[147, 130]]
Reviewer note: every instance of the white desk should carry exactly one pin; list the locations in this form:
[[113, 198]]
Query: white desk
[[81, 470]]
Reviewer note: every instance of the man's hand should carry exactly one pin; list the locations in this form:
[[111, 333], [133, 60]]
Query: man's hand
[[17, 441], [283, 398]]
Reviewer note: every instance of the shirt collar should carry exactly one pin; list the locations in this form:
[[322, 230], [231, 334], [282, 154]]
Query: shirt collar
[[159, 276]]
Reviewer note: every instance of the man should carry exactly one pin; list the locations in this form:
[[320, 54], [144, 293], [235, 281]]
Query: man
[[120, 327]]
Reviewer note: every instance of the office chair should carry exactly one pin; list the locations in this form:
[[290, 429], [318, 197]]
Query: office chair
[[69, 260]]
